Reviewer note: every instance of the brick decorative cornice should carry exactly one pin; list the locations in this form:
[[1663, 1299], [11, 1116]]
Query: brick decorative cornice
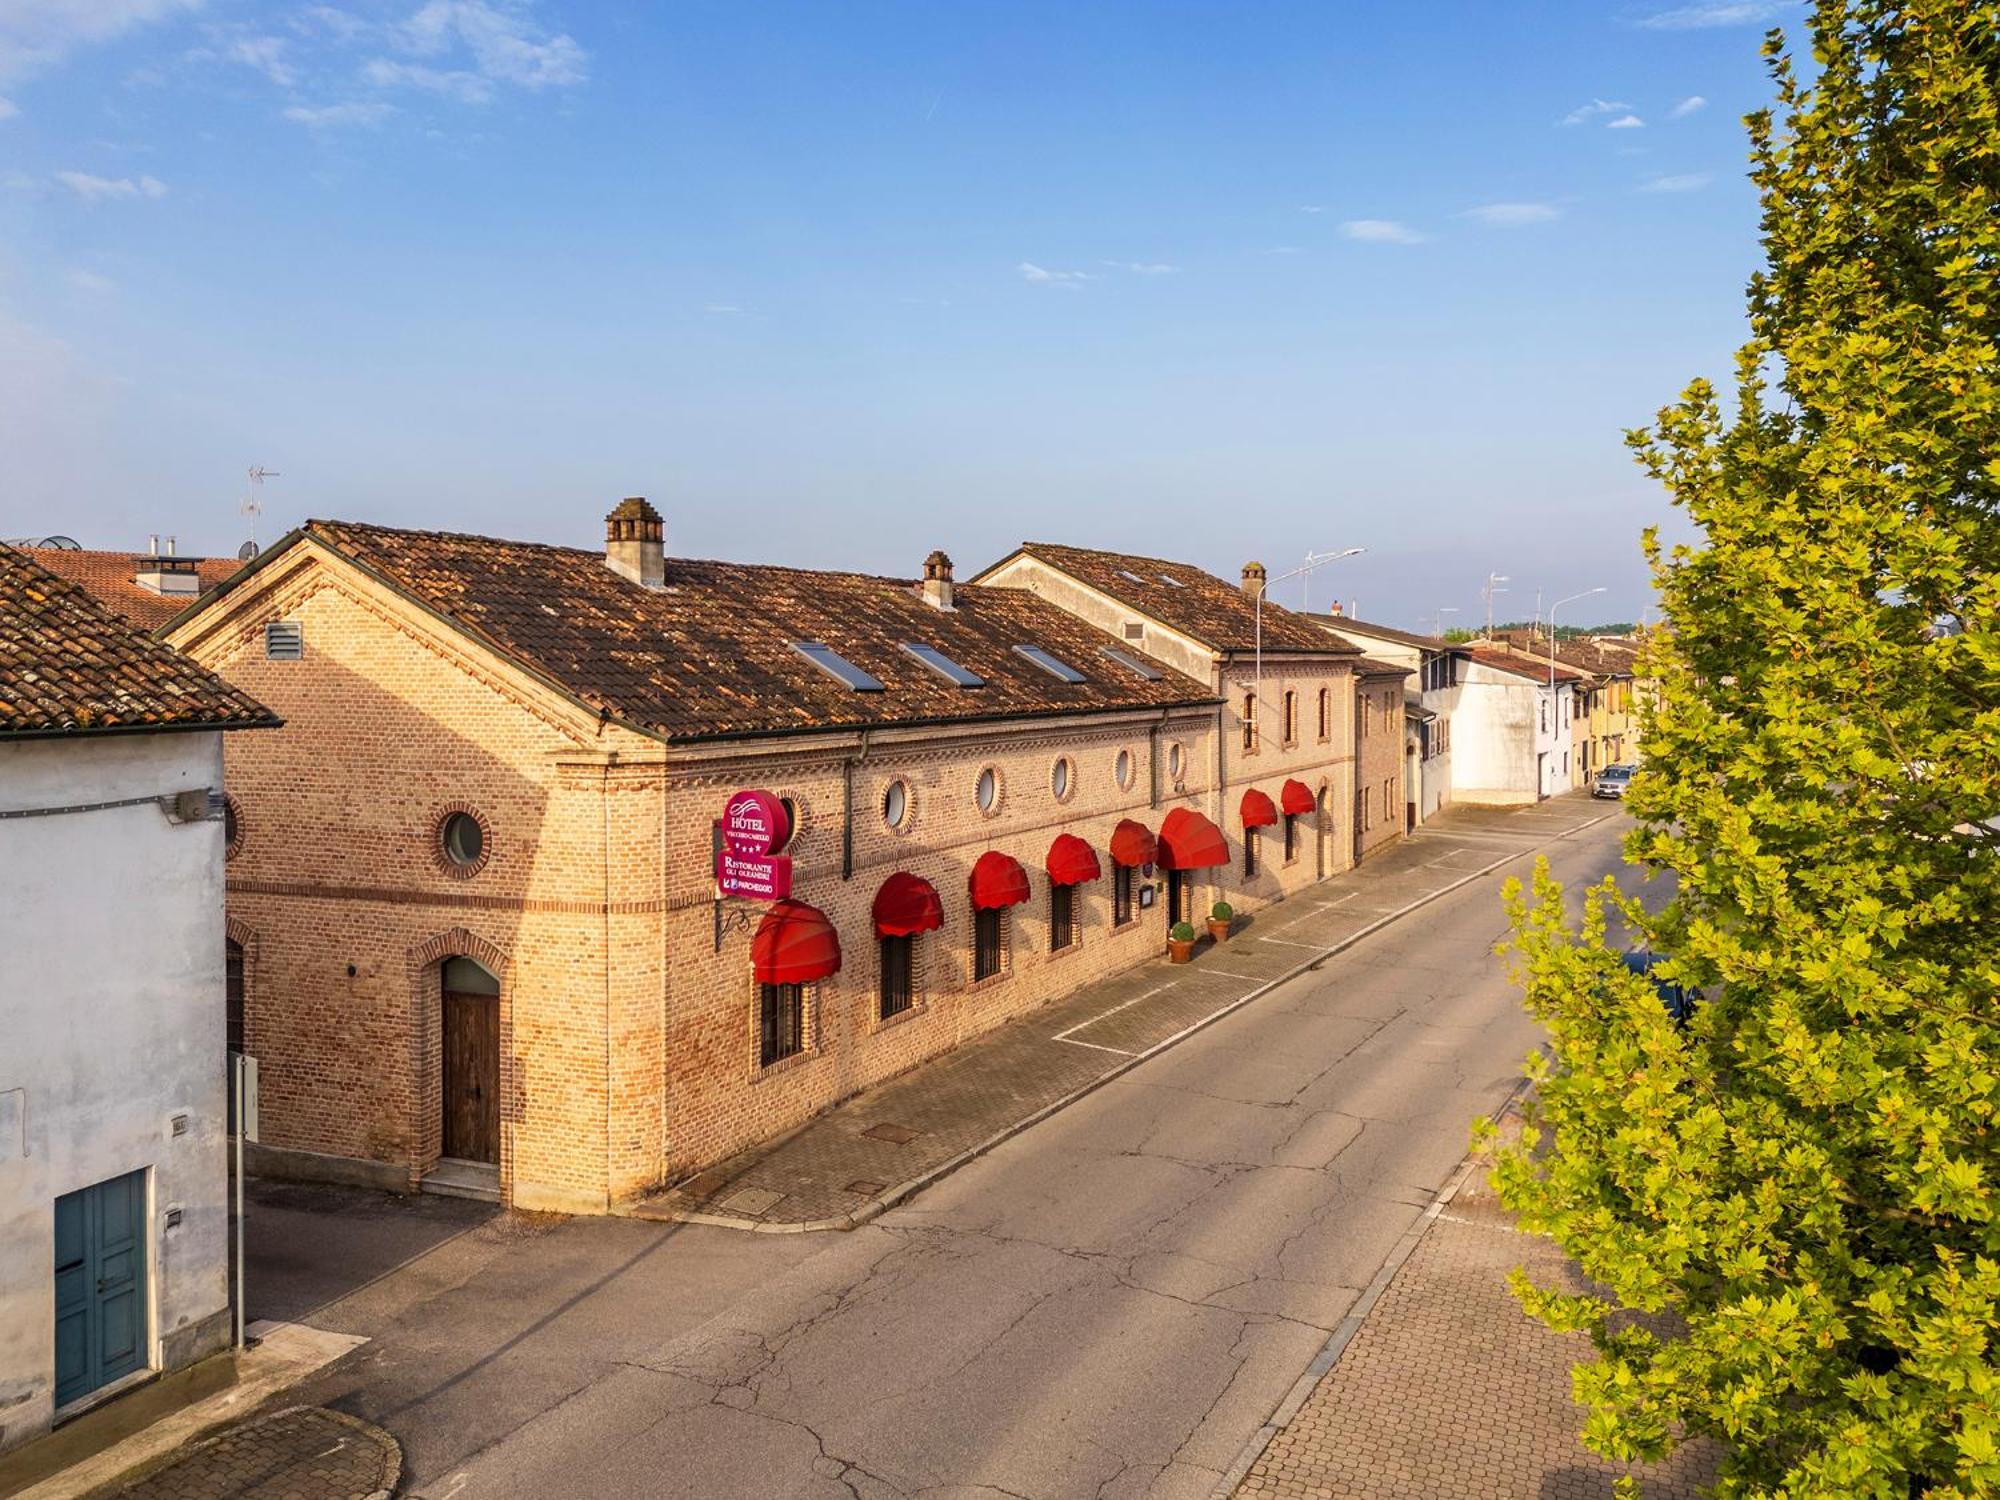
[[463, 900]]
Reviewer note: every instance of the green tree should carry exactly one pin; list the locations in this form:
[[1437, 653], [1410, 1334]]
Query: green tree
[[1800, 1188]]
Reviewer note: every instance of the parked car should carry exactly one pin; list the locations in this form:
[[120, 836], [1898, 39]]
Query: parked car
[[1612, 781], [1679, 999]]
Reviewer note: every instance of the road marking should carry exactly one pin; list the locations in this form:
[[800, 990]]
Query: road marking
[[1289, 942], [1063, 1036], [1093, 1046], [1246, 978]]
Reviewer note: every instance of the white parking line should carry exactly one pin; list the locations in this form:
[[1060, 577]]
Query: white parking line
[[1063, 1036], [1093, 1046], [1288, 942]]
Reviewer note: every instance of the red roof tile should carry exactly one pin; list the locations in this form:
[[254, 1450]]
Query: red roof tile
[[711, 654], [108, 575], [71, 665], [1521, 664]]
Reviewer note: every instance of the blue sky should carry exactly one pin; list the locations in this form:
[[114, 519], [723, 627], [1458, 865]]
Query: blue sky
[[835, 284]]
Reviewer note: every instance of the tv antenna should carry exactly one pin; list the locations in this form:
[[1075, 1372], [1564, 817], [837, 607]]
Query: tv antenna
[[1437, 617], [253, 502], [1493, 580]]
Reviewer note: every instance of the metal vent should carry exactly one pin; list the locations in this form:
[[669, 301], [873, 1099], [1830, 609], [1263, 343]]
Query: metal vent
[[284, 640], [177, 1124], [1134, 631]]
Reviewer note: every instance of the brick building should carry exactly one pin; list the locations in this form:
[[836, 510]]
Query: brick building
[[472, 893]]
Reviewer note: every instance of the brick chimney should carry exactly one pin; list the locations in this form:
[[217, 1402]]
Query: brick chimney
[[937, 581], [634, 543], [1253, 579]]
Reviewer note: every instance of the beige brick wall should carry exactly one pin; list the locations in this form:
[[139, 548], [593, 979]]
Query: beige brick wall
[[628, 1039]]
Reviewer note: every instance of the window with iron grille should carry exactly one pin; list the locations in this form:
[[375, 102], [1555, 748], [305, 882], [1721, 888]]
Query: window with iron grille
[[989, 941], [898, 975], [1121, 895], [781, 1029], [1291, 718], [1062, 917], [1250, 851], [1291, 837]]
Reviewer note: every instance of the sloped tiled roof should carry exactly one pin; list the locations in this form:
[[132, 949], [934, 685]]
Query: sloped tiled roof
[[1521, 664], [108, 575], [1598, 656], [711, 653], [1197, 604], [1385, 632], [1369, 666], [70, 665]]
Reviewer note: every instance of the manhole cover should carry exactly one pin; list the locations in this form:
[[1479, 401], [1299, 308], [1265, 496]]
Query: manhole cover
[[864, 1187], [751, 1202], [895, 1135]]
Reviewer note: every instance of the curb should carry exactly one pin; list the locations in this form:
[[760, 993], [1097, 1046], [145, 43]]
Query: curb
[[882, 1202], [1344, 1332]]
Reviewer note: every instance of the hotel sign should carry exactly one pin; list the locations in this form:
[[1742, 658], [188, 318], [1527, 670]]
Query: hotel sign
[[753, 827]]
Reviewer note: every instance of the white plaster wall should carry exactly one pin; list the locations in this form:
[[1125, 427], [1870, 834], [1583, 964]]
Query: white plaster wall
[[1496, 737], [111, 1021]]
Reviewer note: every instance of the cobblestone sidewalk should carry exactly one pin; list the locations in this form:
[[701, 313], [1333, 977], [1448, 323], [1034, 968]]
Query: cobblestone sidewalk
[[306, 1453], [868, 1153], [1450, 1389]]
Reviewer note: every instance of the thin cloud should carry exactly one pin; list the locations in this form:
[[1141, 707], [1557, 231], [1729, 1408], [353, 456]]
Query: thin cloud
[[1312, 208], [8, 109], [1285, 250], [466, 87], [1722, 13], [1687, 107], [42, 33], [1684, 182], [267, 55], [1584, 113], [1042, 276], [356, 112], [105, 189], [1382, 232], [1625, 122], [89, 282], [1512, 215], [722, 307], [1143, 267], [504, 44]]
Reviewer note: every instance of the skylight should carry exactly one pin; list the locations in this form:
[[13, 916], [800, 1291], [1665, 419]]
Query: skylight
[[837, 666], [1062, 671], [1128, 573], [1132, 663], [943, 665], [1174, 581]]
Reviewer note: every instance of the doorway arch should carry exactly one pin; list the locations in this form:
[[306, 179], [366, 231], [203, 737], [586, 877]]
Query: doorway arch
[[469, 1081]]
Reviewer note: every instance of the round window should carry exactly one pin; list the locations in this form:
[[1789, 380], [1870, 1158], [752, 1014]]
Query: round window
[[895, 804], [988, 790], [1122, 768], [464, 840], [1176, 760], [791, 824], [1059, 778]]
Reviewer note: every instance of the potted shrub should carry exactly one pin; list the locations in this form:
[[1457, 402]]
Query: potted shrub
[[1180, 942], [1220, 916]]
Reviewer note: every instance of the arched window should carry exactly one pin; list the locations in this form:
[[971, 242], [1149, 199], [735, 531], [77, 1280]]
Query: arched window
[[1291, 718], [1326, 713]]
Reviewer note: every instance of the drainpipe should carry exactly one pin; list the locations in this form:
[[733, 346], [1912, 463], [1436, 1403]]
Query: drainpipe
[[847, 768]]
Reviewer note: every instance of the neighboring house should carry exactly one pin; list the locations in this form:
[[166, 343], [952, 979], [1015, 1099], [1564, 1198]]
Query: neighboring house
[[1511, 740], [148, 588], [114, 1218], [473, 890], [1604, 722], [1381, 812], [1431, 702], [1290, 690]]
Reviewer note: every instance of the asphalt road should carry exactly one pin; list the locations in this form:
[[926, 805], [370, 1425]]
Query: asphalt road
[[1105, 1306]]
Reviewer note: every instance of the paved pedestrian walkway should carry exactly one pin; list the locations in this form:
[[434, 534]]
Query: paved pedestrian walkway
[[1448, 1388], [861, 1157], [305, 1453]]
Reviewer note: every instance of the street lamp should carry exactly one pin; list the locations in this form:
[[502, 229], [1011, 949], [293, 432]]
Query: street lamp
[[1313, 560], [1552, 629], [1493, 580]]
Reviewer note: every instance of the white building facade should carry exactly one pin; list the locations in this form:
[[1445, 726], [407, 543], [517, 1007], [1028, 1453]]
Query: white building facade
[[114, 1202], [1511, 741], [1436, 687]]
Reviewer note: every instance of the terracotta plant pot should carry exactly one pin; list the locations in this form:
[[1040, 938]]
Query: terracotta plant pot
[[1217, 929], [1180, 952]]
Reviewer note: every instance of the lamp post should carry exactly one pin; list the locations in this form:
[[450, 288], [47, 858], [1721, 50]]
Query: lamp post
[[1552, 629], [1313, 560], [1493, 580]]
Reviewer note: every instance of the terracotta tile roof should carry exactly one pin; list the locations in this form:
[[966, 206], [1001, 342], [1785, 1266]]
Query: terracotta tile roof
[[1368, 666], [1597, 656], [71, 665], [711, 653], [1198, 604], [1521, 664], [108, 575], [1385, 632]]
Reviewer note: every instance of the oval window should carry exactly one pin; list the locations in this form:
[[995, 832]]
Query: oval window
[[1059, 778], [988, 790], [791, 824], [464, 840], [1176, 760], [1122, 769], [895, 804], [232, 826]]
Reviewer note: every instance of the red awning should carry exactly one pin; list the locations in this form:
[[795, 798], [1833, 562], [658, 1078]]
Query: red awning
[[1258, 810], [998, 880], [795, 944], [1071, 861], [906, 905], [1132, 843], [1188, 841], [1296, 797]]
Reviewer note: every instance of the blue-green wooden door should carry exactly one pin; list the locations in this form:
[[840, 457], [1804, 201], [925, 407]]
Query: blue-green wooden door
[[100, 1285]]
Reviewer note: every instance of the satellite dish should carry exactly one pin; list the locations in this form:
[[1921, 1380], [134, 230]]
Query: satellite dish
[[247, 551]]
